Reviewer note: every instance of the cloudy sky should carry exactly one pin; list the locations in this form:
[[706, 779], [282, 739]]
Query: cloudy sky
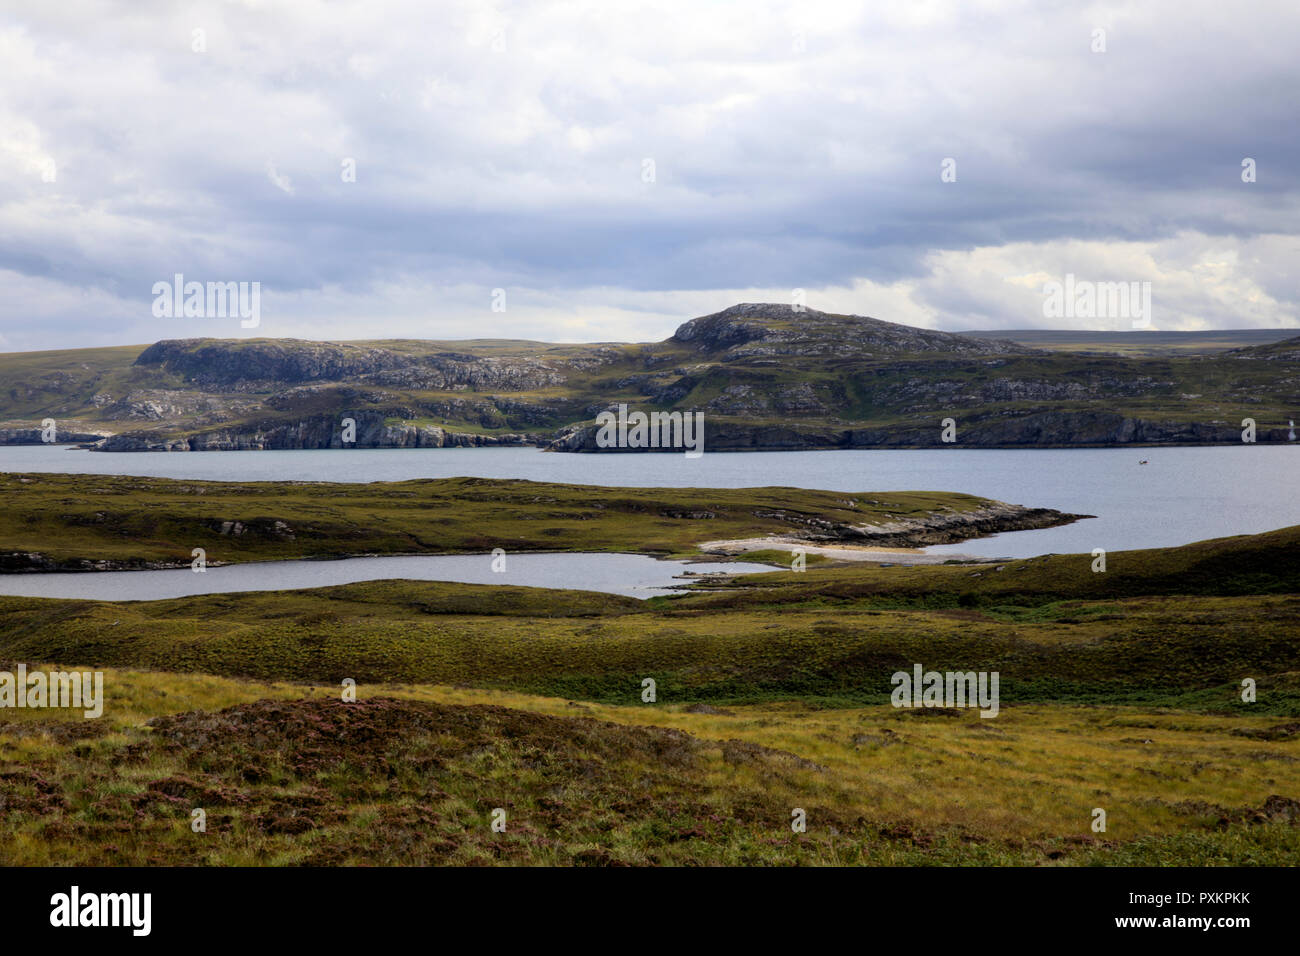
[[619, 167]]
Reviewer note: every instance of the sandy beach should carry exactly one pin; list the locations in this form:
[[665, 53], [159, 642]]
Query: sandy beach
[[845, 552]]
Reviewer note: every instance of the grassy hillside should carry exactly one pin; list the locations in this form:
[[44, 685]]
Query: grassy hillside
[[1244, 565], [70, 519], [1119, 690], [36, 384], [1162, 631]]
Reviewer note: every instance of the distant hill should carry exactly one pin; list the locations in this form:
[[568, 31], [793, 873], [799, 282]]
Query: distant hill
[[1285, 350], [1139, 342], [764, 375], [760, 329]]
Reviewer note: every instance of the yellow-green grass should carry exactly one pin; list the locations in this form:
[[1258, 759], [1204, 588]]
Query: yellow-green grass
[[1267, 563], [1184, 650], [879, 785], [1119, 691]]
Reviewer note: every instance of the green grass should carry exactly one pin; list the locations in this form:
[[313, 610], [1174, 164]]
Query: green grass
[[1119, 690], [1157, 629], [1243, 565], [289, 774], [72, 518]]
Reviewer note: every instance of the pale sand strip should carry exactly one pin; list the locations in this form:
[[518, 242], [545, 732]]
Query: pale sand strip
[[847, 552]]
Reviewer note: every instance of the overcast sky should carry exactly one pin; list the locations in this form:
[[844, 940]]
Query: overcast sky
[[509, 146]]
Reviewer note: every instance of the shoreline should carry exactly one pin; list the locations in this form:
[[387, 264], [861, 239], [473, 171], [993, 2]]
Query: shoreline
[[179, 446], [911, 557], [111, 565]]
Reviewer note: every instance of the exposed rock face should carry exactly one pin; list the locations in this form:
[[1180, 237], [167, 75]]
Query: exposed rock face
[[216, 362], [1092, 428], [19, 562], [32, 436], [486, 373], [1043, 430], [942, 527], [320, 432], [1288, 350], [259, 528], [244, 366]]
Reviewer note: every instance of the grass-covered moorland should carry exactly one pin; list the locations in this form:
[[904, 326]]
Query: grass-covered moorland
[[1175, 627], [412, 774], [1119, 690], [131, 522]]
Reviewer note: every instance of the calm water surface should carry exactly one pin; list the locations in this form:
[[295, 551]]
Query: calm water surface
[[1183, 495], [634, 575]]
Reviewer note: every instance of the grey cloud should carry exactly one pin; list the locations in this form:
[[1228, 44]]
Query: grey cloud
[[522, 169]]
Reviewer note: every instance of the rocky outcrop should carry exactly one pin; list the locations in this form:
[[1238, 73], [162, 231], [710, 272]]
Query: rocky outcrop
[[1288, 350], [156, 405], [319, 432], [32, 436], [846, 541], [761, 328], [240, 365], [221, 362], [20, 562], [941, 527], [1061, 429]]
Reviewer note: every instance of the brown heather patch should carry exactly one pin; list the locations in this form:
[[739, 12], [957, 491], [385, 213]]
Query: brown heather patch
[[60, 731], [29, 791], [310, 737], [1276, 732], [420, 780]]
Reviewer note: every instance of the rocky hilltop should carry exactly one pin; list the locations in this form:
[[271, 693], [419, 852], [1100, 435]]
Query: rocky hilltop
[[1288, 350], [765, 376], [759, 329], [252, 366]]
